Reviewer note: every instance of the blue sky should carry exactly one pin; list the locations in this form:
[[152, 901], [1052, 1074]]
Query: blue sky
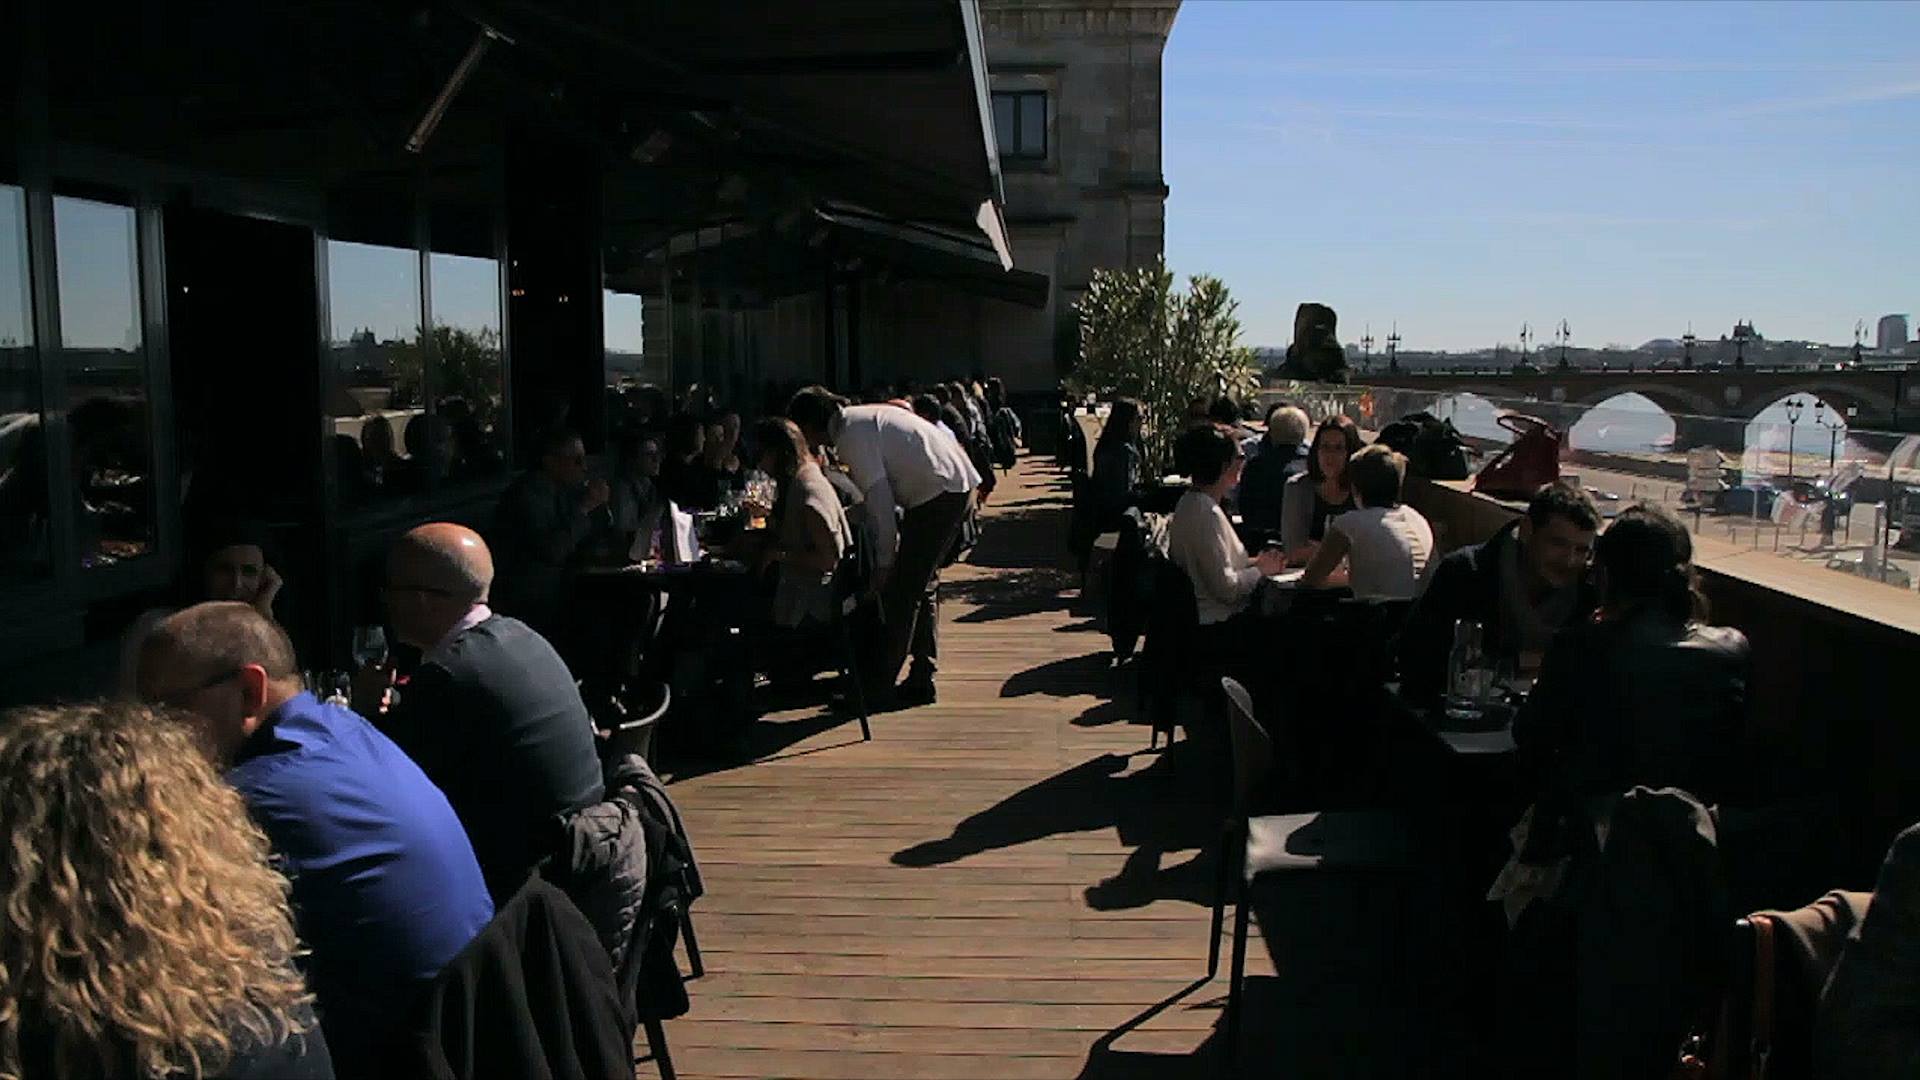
[[1461, 168]]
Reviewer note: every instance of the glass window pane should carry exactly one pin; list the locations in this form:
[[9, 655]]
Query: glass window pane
[[378, 408], [1033, 125], [1003, 123], [24, 511], [636, 398], [96, 248], [469, 394]]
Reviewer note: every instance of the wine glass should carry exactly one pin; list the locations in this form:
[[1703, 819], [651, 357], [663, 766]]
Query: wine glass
[[369, 645]]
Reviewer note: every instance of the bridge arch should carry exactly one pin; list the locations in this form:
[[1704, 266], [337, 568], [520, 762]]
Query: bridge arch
[[1674, 400], [1627, 422], [1871, 404]]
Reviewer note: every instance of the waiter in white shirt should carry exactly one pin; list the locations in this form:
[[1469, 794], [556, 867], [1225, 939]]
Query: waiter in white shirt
[[906, 466]]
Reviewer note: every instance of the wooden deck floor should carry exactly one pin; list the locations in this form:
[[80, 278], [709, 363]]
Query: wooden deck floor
[[999, 886]]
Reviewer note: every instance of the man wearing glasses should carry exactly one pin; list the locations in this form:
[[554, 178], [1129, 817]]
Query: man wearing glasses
[[492, 714], [384, 880], [543, 521]]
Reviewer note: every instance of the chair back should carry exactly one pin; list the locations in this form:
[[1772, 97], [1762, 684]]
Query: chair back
[[854, 571], [1252, 750], [1172, 618]]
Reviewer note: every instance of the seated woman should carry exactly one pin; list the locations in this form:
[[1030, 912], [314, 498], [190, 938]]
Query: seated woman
[[810, 531], [145, 934], [1321, 493], [1647, 693], [1384, 542], [229, 563], [1201, 541]]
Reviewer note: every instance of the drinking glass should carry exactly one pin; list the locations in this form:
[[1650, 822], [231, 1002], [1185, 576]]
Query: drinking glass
[[1469, 682], [369, 645]]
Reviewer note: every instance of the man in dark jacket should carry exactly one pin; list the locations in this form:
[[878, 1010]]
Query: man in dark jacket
[[544, 519], [1277, 458], [1522, 586], [492, 714]]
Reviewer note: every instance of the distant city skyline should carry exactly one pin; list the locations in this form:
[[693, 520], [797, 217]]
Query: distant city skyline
[[1631, 168]]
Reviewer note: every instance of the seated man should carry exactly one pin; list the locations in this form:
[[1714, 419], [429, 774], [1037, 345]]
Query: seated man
[[1522, 586], [544, 519], [492, 714], [1201, 541], [385, 887], [1647, 692], [1384, 543], [1281, 456]]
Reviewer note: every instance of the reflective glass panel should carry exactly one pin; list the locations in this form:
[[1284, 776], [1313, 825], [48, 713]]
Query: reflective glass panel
[[383, 442], [24, 511], [96, 249], [469, 392], [1004, 113], [1033, 125]]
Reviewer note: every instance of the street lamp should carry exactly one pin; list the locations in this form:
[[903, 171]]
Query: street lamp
[[1393, 350], [1794, 408], [1834, 427], [1366, 351]]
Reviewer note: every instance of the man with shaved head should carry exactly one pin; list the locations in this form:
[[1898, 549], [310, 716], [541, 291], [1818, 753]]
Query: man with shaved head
[[492, 714], [385, 885]]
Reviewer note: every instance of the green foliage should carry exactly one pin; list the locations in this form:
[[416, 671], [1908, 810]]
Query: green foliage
[[467, 366], [1140, 338]]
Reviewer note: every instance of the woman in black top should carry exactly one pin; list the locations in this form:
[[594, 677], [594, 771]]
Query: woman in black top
[[1116, 463], [1322, 492], [1647, 693]]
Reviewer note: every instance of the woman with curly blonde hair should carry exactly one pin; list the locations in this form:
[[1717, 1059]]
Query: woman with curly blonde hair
[[142, 932]]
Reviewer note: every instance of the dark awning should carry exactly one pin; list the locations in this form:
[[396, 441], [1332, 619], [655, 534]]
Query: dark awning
[[882, 102], [919, 250], [796, 256], [701, 110]]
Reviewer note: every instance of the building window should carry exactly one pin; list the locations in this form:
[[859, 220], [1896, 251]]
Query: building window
[[1020, 124], [103, 356], [25, 514]]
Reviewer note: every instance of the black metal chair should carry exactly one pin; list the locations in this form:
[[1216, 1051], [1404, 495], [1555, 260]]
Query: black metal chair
[[1272, 845], [850, 579], [1167, 656]]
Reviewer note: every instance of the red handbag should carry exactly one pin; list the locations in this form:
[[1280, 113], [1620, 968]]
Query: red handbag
[[1529, 463]]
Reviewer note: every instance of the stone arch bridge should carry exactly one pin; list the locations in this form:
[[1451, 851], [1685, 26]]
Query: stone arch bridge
[[1709, 408]]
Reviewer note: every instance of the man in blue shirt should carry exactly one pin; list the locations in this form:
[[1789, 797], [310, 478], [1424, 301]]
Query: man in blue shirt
[[385, 886]]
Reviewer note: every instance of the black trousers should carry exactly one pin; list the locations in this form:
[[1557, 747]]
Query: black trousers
[[908, 600]]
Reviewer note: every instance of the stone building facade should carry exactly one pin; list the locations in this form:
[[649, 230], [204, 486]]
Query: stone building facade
[[1087, 191]]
